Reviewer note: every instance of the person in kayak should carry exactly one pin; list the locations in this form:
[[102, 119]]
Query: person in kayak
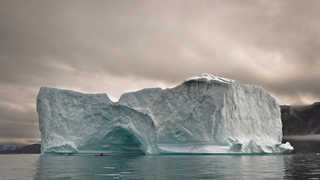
[[101, 154]]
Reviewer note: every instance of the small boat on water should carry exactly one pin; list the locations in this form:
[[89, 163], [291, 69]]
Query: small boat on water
[[102, 154]]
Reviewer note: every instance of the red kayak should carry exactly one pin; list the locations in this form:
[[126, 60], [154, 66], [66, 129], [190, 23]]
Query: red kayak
[[102, 154]]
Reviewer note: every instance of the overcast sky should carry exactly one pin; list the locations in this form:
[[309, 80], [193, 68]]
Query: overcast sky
[[117, 46]]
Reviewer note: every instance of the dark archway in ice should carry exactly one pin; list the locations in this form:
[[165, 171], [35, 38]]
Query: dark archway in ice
[[117, 140], [123, 140]]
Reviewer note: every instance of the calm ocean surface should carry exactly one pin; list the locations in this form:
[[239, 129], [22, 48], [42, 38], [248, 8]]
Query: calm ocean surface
[[46, 167]]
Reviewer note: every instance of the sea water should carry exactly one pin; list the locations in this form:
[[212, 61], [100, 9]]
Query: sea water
[[46, 167]]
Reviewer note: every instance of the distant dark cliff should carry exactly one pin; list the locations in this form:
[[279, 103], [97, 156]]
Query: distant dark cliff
[[301, 127], [28, 149], [301, 120]]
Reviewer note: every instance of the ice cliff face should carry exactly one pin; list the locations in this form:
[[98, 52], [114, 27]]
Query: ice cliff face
[[76, 122], [204, 114]]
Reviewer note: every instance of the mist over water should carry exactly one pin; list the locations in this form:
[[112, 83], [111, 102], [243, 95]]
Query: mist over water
[[46, 167]]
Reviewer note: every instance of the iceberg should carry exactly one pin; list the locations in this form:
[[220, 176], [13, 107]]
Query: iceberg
[[205, 114]]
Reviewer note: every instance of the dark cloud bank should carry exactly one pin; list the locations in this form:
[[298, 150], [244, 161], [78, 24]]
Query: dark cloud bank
[[117, 46]]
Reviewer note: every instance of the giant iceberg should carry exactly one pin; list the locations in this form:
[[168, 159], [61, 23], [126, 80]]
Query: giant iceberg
[[205, 114]]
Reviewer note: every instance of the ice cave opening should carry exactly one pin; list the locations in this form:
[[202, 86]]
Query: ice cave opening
[[122, 140]]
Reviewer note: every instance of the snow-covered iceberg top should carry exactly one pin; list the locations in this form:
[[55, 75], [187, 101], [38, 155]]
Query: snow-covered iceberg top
[[206, 77], [205, 114]]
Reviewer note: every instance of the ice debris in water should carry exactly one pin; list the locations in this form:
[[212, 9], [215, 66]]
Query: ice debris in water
[[204, 114]]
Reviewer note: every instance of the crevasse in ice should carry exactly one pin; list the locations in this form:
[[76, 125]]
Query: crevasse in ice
[[205, 114]]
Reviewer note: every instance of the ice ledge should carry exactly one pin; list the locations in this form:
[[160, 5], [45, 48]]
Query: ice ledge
[[206, 77]]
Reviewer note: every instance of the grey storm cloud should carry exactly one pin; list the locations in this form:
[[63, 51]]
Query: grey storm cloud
[[118, 46]]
